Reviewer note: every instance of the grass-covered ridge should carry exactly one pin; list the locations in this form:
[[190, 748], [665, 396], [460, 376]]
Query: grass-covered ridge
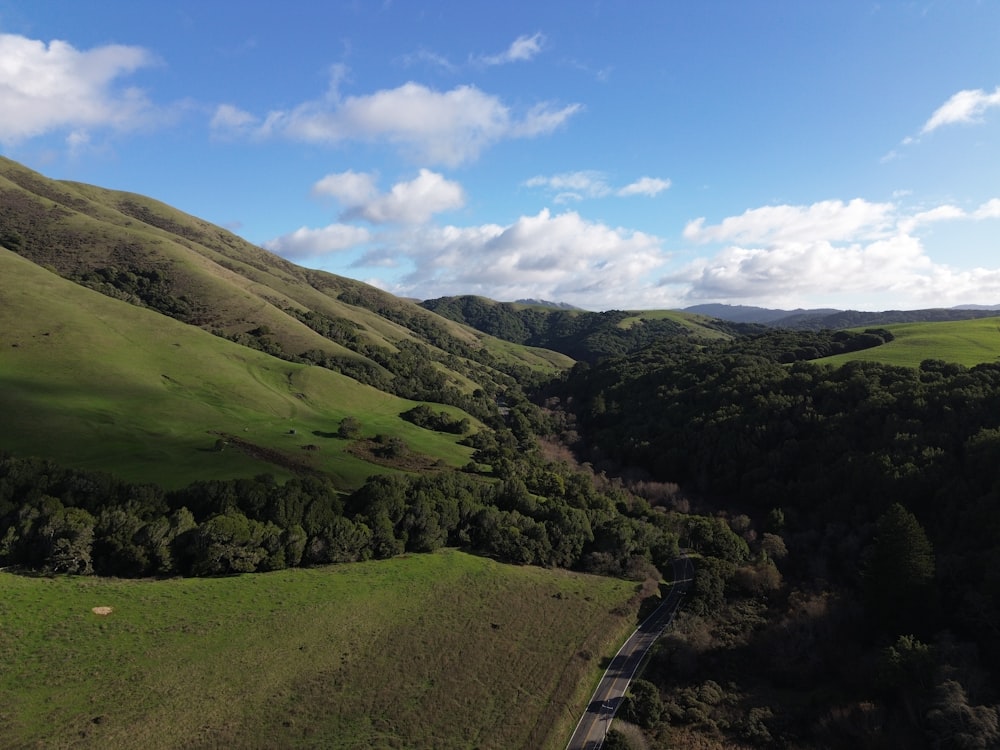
[[148, 253], [964, 342], [95, 382], [427, 651]]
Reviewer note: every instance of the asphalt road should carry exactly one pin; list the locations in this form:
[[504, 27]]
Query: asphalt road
[[593, 727]]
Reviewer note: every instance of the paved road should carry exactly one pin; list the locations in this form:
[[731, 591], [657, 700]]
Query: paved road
[[593, 727]]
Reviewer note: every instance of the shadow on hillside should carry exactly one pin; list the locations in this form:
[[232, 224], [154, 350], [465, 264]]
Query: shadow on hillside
[[320, 433]]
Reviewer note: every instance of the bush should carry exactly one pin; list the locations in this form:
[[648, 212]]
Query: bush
[[349, 428]]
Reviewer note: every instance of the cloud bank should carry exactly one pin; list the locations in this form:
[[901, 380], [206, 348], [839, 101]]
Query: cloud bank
[[812, 255], [776, 256]]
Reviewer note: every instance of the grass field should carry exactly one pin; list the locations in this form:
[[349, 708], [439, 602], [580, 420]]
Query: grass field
[[967, 342], [426, 651], [97, 383]]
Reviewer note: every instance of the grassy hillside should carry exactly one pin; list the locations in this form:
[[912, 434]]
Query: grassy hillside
[[967, 342], [95, 382], [428, 651], [151, 254]]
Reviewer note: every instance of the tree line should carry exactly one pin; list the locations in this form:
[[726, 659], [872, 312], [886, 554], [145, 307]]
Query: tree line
[[531, 512]]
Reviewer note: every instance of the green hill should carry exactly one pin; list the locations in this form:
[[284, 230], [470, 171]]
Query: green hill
[[965, 342], [198, 336], [582, 335], [425, 651], [94, 382], [149, 254]]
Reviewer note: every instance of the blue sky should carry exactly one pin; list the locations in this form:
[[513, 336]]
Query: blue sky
[[631, 155]]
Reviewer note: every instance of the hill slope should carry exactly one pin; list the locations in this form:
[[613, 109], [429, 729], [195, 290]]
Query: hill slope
[[426, 651], [97, 383], [965, 342], [198, 336], [147, 253], [583, 335]]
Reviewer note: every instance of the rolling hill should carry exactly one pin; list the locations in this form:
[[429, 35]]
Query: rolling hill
[[94, 382], [135, 337], [965, 342], [582, 335]]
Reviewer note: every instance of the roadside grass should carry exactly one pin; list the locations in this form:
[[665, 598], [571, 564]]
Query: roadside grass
[[437, 651], [966, 342], [97, 383]]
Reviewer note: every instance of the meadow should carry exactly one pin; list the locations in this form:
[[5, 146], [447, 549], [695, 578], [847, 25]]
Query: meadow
[[443, 650], [97, 383], [966, 342]]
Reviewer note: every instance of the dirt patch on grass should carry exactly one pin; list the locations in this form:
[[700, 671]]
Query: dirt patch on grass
[[102, 611], [268, 455], [374, 452]]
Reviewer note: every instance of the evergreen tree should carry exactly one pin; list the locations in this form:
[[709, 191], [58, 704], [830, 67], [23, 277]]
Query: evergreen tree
[[899, 578]]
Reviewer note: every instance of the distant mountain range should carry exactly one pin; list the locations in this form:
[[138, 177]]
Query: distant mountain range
[[751, 314], [832, 318], [546, 303]]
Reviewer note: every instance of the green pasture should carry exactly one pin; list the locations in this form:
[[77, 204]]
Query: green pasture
[[95, 382], [966, 342], [425, 651]]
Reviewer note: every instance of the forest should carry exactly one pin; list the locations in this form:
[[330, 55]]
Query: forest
[[879, 482]]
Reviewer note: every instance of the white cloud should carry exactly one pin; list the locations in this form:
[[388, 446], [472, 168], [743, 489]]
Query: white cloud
[[836, 253], [989, 210], [947, 212], [650, 186], [431, 58], [828, 252], [522, 49], [413, 202], [938, 213], [54, 86], [832, 220], [572, 186], [560, 256], [436, 127], [965, 106], [805, 271], [305, 242], [232, 120], [350, 188], [593, 184]]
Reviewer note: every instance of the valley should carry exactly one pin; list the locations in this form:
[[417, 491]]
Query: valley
[[327, 508]]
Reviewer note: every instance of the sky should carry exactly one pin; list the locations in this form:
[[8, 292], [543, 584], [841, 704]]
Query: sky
[[639, 154]]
